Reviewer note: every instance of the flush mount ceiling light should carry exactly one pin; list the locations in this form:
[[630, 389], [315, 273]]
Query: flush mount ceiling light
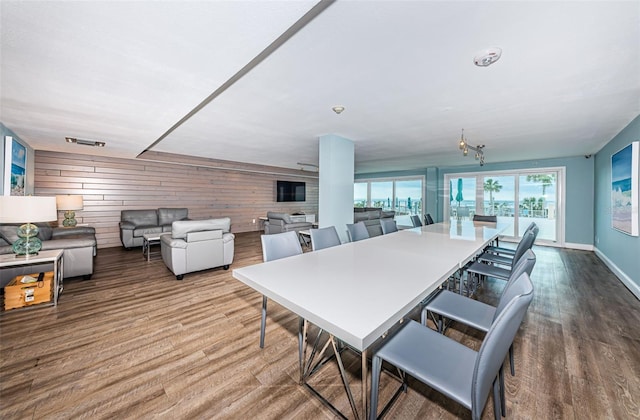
[[338, 109], [464, 146], [303, 165], [85, 142], [487, 57]]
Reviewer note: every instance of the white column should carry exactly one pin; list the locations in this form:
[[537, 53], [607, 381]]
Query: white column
[[335, 195]]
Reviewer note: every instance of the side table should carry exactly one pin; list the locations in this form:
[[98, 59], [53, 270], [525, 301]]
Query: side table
[[50, 256], [149, 239]]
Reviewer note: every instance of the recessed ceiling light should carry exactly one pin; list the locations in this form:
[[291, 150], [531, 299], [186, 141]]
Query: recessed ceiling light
[[487, 57], [85, 142]]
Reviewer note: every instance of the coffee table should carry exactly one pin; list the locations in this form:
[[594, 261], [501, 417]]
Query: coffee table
[[148, 240]]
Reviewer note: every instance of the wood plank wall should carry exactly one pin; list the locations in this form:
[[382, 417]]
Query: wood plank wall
[[208, 188]]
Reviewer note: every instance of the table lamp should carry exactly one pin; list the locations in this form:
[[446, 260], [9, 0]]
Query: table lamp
[[29, 209], [69, 203]]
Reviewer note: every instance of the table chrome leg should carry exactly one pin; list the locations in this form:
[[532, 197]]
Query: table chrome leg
[[345, 381], [365, 384]]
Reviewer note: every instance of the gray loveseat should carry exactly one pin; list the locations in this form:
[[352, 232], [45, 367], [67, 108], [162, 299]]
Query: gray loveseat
[[134, 224], [78, 243], [371, 218]]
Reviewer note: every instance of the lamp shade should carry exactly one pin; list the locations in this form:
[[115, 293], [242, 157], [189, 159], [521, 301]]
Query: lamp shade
[[27, 209], [69, 202]]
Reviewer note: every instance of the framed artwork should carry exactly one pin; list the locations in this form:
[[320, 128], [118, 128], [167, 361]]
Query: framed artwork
[[15, 164], [624, 189]]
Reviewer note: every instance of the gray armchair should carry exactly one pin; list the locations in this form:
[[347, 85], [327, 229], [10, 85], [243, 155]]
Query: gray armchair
[[195, 245], [284, 222]]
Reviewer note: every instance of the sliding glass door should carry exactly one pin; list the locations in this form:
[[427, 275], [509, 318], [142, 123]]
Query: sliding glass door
[[518, 197]]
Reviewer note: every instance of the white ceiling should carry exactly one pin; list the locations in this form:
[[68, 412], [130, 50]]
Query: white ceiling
[[127, 72]]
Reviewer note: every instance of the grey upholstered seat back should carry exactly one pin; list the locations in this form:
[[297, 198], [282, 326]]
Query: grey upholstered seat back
[[140, 217], [324, 238], [525, 243], [496, 344], [415, 220], [515, 284], [357, 231], [167, 216], [388, 226], [280, 245], [485, 218], [180, 229], [285, 217]]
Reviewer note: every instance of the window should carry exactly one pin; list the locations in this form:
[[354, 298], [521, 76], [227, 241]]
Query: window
[[518, 197], [403, 195]]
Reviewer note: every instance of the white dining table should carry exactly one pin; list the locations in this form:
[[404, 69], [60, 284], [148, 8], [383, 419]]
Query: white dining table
[[357, 291]]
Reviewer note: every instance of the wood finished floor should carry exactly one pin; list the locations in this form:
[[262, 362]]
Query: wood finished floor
[[135, 343]]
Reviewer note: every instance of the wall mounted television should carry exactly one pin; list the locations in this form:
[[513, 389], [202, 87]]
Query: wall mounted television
[[290, 191]]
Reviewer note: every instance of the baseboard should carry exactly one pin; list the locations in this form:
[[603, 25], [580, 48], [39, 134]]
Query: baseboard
[[581, 247], [633, 287]]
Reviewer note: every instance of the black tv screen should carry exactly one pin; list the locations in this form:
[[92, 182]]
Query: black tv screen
[[290, 191]]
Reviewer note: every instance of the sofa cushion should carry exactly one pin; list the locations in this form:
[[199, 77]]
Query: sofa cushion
[[69, 243], [44, 231], [166, 216], [140, 217], [9, 232], [140, 231]]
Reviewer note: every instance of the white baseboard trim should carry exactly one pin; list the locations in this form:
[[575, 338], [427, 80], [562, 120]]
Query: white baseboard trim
[[633, 287], [582, 247]]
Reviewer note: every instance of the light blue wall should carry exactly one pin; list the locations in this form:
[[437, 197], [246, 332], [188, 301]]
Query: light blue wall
[[620, 249], [578, 200]]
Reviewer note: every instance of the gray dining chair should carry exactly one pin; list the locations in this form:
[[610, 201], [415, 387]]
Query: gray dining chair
[[357, 231], [428, 220], [324, 238], [478, 270], [388, 226], [525, 243], [449, 367], [485, 218], [478, 315], [415, 220], [275, 247], [511, 251]]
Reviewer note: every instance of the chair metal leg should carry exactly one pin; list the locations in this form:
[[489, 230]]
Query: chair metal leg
[[503, 405], [376, 365], [263, 321], [511, 363], [496, 399]]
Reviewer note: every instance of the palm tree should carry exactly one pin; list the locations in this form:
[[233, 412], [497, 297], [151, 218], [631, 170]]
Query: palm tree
[[492, 186], [546, 180]]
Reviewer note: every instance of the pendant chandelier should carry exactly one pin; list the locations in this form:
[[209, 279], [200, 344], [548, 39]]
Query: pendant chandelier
[[464, 146]]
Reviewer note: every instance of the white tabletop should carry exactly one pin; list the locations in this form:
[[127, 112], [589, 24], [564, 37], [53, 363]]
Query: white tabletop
[[7, 260], [357, 291]]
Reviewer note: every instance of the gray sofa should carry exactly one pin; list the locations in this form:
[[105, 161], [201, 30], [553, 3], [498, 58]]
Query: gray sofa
[[195, 245], [285, 222], [79, 245], [134, 224], [371, 218]]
